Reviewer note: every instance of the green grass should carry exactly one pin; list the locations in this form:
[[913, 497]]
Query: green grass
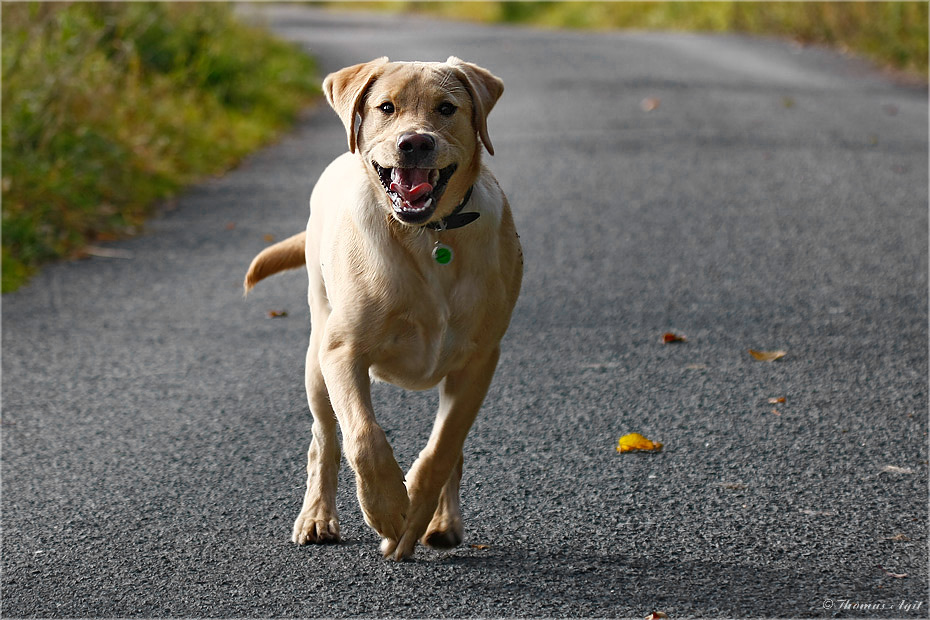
[[109, 108], [893, 34]]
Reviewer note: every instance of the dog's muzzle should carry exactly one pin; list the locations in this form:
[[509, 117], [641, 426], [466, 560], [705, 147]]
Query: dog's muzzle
[[414, 192]]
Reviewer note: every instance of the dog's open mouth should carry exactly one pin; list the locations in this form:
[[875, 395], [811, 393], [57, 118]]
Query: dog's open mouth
[[414, 192]]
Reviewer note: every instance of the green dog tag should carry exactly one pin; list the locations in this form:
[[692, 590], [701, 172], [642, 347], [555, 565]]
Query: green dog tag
[[442, 253]]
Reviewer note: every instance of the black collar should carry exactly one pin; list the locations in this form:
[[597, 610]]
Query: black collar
[[456, 219]]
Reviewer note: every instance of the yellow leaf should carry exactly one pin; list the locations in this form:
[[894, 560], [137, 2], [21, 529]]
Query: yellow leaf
[[767, 356], [634, 441]]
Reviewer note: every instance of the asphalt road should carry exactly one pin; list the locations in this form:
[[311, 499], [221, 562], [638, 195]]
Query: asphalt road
[[154, 422]]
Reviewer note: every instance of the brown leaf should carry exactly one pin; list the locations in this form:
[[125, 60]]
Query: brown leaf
[[634, 442], [733, 486], [277, 314], [775, 412], [268, 238], [767, 356], [891, 574], [480, 547], [656, 615], [670, 337], [649, 104], [230, 225], [777, 400]]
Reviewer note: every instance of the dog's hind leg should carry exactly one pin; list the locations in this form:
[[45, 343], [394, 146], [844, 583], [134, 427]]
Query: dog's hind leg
[[460, 396], [318, 521], [445, 530]]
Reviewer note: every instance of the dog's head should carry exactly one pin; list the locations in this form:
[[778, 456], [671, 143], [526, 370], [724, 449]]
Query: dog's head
[[420, 131]]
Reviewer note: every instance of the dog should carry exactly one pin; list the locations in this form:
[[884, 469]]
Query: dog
[[414, 268]]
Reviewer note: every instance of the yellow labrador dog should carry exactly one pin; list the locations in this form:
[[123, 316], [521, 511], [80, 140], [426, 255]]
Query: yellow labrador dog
[[415, 267]]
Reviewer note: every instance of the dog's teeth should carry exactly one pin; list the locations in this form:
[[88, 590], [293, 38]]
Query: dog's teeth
[[428, 204]]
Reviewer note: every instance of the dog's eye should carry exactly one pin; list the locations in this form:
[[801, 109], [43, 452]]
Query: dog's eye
[[387, 107], [446, 109]]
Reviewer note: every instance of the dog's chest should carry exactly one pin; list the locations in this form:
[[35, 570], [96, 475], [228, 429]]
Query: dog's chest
[[435, 329]]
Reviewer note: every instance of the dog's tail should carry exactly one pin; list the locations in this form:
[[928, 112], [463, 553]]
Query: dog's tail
[[284, 255]]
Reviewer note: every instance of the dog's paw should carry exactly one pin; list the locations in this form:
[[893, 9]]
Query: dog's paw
[[399, 550], [444, 533], [417, 520], [310, 529], [384, 506]]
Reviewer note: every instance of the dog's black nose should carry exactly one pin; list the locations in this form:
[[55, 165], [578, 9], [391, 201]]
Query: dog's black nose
[[412, 143]]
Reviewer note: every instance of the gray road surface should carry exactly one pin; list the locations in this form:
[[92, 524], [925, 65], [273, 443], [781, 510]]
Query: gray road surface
[[154, 422]]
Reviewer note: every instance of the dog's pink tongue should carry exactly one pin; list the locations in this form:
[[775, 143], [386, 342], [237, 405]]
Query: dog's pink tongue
[[411, 183]]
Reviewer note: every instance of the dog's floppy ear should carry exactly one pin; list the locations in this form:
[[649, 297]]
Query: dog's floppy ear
[[485, 89], [344, 90]]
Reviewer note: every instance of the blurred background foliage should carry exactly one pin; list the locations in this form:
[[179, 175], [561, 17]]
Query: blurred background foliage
[[891, 33], [109, 107]]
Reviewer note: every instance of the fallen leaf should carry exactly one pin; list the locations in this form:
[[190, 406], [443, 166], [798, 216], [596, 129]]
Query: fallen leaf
[[695, 366], [481, 547], [818, 513], [733, 486], [276, 314], [898, 537], [649, 104], [892, 469], [656, 615], [670, 337], [891, 574], [776, 401], [93, 250], [230, 225], [775, 412], [635, 442], [767, 356], [268, 238]]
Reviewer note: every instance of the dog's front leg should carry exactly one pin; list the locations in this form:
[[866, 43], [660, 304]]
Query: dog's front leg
[[460, 396], [380, 482], [318, 521]]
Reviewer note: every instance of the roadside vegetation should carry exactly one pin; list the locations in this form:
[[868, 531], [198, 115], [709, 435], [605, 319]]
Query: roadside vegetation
[[110, 107], [893, 34]]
